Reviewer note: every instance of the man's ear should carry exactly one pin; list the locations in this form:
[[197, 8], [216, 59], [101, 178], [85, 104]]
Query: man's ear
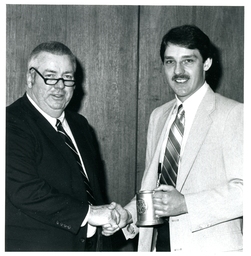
[[30, 79], [207, 64]]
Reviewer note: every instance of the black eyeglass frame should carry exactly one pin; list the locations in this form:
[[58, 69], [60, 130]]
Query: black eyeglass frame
[[54, 79]]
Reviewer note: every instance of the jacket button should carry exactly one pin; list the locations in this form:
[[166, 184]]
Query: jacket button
[[82, 240], [88, 243]]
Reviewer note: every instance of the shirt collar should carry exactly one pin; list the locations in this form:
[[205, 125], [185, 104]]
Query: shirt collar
[[51, 120]]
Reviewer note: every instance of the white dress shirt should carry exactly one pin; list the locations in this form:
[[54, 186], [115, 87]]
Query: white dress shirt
[[52, 120], [190, 107]]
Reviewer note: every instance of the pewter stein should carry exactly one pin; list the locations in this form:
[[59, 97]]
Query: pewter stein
[[145, 210]]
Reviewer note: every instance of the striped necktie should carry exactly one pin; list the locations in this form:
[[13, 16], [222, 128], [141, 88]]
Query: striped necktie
[[172, 153], [69, 143]]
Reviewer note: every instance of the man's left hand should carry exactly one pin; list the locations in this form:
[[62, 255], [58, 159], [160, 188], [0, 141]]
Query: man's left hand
[[168, 201]]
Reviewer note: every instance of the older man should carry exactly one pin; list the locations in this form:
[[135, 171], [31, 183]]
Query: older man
[[52, 180]]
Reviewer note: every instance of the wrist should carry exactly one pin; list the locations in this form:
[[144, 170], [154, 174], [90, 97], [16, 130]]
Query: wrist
[[129, 217], [130, 229], [184, 205], [90, 214], [86, 219]]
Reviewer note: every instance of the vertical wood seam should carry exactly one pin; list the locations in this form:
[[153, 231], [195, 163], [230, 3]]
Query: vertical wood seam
[[137, 103]]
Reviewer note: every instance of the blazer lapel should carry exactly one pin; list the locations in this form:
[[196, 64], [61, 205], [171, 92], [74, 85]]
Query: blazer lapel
[[149, 179], [78, 185], [84, 147], [197, 135], [55, 139], [49, 131]]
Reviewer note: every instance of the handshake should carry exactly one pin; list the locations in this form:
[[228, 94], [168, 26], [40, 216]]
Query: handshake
[[111, 217]]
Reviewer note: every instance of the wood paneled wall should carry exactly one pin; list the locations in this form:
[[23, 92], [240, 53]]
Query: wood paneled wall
[[120, 78]]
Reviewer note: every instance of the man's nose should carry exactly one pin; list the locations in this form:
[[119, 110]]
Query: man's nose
[[60, 84], [179, 69]]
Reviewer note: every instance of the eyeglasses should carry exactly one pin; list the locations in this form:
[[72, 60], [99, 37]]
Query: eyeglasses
[[53, 81]]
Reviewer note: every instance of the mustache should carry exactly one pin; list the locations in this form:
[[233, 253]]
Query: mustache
[[175, 77]]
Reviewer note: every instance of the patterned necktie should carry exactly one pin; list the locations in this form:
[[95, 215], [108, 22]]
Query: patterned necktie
[[172, 154], [69, 143]]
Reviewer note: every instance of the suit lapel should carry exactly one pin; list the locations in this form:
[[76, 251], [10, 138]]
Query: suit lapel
[[197, 135], [149, 179], [56, 140], [49, 131], [83, 145]]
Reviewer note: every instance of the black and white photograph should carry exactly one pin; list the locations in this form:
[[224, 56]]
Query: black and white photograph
[[124, 127]]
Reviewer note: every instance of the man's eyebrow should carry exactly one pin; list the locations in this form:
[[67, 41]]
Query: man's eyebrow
[[184, 56], [50, 70], [190, 56], [53, 71]]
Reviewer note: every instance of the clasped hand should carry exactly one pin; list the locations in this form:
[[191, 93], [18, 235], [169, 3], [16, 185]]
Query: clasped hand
[[168, 201], [125, 218], [111, 217]]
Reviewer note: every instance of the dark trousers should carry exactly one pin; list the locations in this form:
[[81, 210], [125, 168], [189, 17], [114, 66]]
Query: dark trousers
[[163, 239], [91, 244], [98, 242]]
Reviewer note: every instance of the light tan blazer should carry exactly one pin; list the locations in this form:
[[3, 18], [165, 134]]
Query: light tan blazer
[[210, 178]]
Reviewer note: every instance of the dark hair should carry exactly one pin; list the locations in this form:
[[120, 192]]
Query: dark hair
[[188, 36], [54, 48]]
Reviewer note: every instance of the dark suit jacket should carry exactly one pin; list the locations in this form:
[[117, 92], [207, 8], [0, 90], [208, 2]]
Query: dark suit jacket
[[45, 194]]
